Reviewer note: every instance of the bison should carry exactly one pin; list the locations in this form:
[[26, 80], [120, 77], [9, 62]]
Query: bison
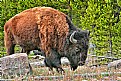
[[50, 31]]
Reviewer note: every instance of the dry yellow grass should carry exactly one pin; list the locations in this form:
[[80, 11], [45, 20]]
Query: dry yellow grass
[[82, 73]]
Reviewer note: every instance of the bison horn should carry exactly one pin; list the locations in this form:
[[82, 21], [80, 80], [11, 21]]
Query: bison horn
[[72, 38]]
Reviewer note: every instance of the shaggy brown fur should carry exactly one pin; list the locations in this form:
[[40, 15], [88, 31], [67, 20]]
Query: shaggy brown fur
[[42, 27], [53, 28]]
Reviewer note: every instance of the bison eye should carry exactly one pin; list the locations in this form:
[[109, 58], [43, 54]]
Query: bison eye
[[77, 49]]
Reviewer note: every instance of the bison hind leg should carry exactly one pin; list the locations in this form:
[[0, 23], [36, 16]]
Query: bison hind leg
[[30, 70], [30, 67], [10, 49]]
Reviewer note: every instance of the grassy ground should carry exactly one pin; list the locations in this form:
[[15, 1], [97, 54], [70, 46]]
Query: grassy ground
[[83, 73], [99, 73]]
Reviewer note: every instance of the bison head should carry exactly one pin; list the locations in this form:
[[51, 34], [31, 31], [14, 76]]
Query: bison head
[[78, 48]]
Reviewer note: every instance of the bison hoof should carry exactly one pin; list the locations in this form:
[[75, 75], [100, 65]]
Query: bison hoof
[[60, 70]]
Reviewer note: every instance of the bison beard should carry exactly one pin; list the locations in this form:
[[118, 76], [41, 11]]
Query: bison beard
[[50, 31]]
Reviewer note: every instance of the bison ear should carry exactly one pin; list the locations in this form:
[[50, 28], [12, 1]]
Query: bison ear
[[85, 33]]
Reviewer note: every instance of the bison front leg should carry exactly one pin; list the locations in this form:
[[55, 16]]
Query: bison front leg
[[54, 61]]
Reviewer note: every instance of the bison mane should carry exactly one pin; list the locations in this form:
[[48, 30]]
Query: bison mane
[[53, 28]]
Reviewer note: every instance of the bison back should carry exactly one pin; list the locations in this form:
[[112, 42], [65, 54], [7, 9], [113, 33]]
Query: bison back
[[40, 27]]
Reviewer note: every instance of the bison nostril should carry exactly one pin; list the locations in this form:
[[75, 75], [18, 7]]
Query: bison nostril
[[81, 63]]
